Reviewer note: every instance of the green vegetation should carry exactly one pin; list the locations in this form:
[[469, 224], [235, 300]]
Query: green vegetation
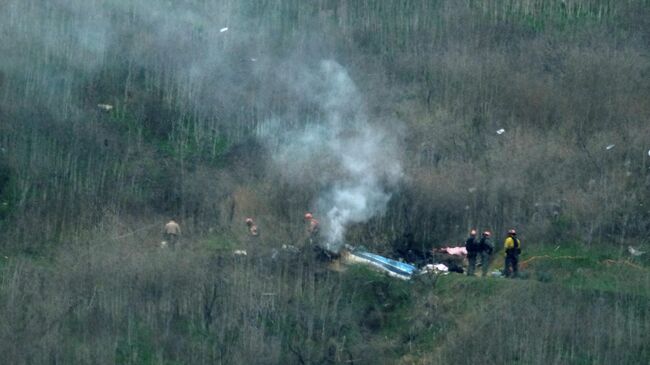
[[117, 115], [133, 304]]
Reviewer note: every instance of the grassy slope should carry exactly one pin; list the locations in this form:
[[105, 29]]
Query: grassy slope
[[573, 305], [593, 310], [583, 311]]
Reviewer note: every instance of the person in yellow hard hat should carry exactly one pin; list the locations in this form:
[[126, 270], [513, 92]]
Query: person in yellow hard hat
[[512, 246]]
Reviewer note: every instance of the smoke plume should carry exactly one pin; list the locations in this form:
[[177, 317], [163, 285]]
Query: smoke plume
[[354, 162]]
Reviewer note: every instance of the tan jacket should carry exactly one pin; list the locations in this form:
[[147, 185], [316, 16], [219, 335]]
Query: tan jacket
[[172, 228]]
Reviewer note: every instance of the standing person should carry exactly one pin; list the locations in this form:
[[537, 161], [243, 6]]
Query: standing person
[[313, 229], [512, 247], [471, 245], [485, 248], [171, 232]]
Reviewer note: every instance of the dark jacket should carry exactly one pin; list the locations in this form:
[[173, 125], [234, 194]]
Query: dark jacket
[[471, 245], [485, 245]]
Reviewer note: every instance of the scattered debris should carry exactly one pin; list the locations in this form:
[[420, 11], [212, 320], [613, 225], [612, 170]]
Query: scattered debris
[[105, 107], [496, 274], [501, 131], [240, 253], [393, 268], [290, 248], [609, 147], [284, 250], [439, 269], [634, 252], [224, 29]]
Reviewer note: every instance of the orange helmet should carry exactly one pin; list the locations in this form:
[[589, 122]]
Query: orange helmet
[[472, 232], [308, 216], [249, 221], [487, 233], [512, 232]]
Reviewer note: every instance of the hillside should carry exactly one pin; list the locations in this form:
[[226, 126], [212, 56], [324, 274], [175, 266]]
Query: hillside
[[400, 125]]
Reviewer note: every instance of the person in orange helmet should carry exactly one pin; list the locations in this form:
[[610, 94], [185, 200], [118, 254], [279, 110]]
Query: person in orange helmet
[[313, 229], [252, 227]]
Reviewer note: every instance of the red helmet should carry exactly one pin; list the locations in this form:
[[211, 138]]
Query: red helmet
[[512, 232], [249, 221], [472, 232], [487, 233], [308, 216]]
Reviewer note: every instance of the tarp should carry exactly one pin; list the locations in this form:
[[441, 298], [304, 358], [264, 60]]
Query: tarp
[[455, 250]]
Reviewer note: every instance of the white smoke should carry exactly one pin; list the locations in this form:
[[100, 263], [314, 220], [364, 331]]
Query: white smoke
[[355, 162]]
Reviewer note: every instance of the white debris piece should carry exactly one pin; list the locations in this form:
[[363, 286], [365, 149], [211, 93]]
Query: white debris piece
[[105, 107], [501, 131], [290, 248], [648, 152], [496, 274], [472, 189], [610, 146], [224, 29], [240, 253], [253, 59], [634, 251], [440, 269], [163, 244]]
